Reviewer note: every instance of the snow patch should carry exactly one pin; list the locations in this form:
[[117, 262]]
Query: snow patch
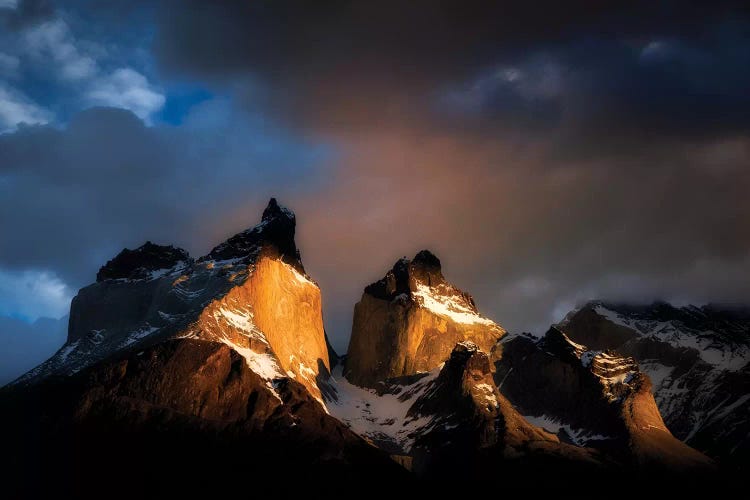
[[579, 437], [453, 306], [381, 417], [721, 356], [485, 393], [299, 278], [588, 356], [241, 319], [62, 355], [656, 371], [263, 364], [139, 334]]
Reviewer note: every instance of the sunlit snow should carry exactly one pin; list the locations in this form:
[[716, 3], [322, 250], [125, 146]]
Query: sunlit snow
[[452, 306]]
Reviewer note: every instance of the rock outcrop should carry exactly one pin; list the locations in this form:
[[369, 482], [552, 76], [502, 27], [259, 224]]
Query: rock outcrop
[[409, 322], [591, 398], [145, 262], [697, 358], [479, 424], [250, 293], [450, 422]]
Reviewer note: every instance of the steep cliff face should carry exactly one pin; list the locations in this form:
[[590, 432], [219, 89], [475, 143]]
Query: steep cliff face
[[191, 369], [276, 313], [697, 358], [409, 322], [250, 293], [592, 398]]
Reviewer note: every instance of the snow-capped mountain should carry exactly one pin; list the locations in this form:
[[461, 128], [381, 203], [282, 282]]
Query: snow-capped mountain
[[204, 374], [697, 359], [185, 375], [250, 293], [590, 398]]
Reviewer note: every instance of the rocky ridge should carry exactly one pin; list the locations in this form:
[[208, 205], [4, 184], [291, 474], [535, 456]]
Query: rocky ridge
[[250, 293], [697, 359], [177, 359], [590, 398]]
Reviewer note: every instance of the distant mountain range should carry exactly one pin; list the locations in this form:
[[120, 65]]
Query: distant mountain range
[[186, 375]]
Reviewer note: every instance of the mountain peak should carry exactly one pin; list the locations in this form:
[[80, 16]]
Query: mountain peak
[[274, 211], [276, 228], [425, 317], [406, 275], [427, 259], [142, 262]]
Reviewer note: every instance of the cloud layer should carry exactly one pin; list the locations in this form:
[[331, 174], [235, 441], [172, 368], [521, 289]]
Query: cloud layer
[[548, 153]]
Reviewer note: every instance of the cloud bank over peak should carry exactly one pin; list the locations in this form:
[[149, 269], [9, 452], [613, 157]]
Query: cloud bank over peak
[[547, 153]]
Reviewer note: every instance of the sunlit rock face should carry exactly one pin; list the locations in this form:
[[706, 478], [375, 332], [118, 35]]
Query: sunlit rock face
[[250, 293], [173, 364], [276, 312], [410, 321], [592, 398]]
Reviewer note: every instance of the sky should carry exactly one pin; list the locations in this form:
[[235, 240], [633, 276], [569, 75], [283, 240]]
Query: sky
[[548, 153]]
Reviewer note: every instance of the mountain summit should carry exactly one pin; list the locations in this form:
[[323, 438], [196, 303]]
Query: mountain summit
[[250, 293], [179, 365], [409, 321], [276, 228], [206, 371], [697, 359]]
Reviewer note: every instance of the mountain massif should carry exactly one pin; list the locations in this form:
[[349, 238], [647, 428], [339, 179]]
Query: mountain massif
[[184, 376], [697, 360]]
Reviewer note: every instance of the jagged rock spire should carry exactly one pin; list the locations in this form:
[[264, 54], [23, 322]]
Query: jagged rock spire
[[276, 229], [405, 274]]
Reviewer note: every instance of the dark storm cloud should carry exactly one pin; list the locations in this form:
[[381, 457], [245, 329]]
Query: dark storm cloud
[[530, 239], [73, 197], [346, 64], [25, 13], [548, 152]]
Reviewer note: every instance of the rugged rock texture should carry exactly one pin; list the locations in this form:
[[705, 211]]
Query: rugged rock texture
[[592, 398], [143, 262], [448, 421], [277, 228], [211, 366], [479, 424], [257, 299], [697, 359], [409, 322], [182, 417], [212, 376]]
